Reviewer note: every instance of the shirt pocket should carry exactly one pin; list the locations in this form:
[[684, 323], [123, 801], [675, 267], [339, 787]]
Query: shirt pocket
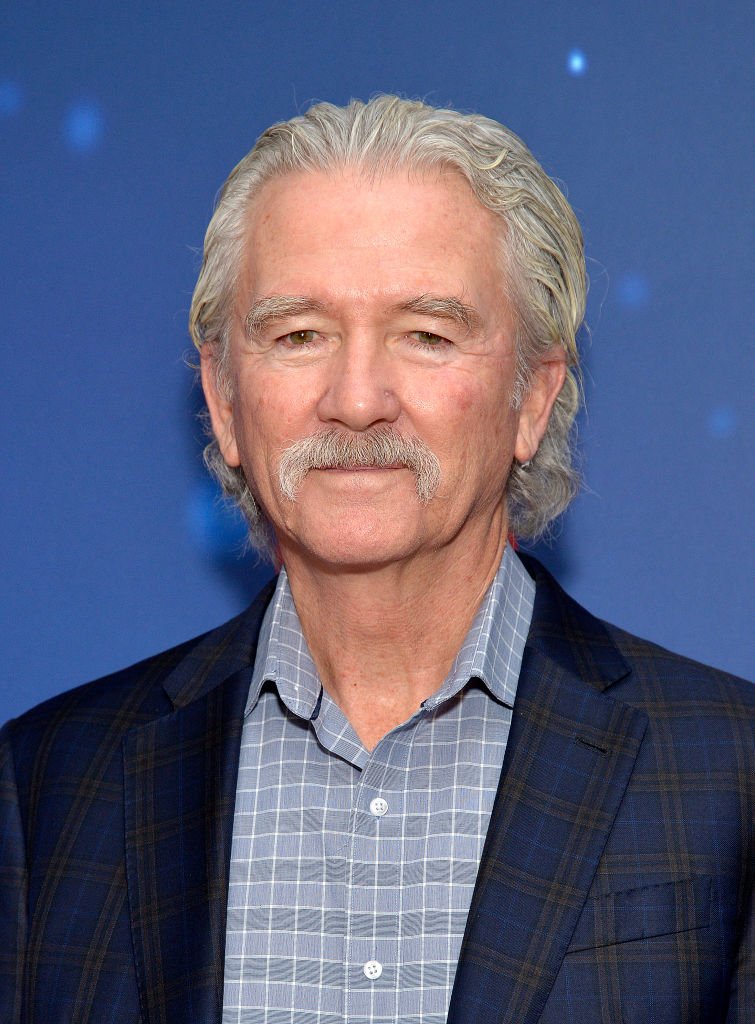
[[643, 913]]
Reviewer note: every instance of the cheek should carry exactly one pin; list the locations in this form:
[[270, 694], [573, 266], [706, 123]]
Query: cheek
[[269, 414], [472, 430], [442, 400], [250, 417], [465, 407]]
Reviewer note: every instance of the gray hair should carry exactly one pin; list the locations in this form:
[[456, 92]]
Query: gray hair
[[542, 259]]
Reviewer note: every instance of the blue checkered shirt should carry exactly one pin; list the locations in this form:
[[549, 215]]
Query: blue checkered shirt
[[352, 871]]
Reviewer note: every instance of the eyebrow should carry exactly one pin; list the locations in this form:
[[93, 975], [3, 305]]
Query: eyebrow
[[443, 307], [273, 308], [268, 310]]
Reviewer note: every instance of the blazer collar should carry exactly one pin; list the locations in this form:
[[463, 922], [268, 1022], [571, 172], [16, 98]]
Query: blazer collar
[[565, 633], [219, 654], [570, 753]]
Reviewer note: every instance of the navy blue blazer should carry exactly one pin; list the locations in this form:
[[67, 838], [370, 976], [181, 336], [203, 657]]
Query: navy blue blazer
[[615, 884]]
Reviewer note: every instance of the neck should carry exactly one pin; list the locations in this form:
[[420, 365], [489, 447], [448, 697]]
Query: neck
[[384, 639]]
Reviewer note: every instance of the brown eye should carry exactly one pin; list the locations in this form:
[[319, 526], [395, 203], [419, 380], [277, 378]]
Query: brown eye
[[300, 337], [428, 338]]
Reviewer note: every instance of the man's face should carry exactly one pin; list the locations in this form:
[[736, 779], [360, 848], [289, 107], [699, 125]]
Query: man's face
[[371, 306]]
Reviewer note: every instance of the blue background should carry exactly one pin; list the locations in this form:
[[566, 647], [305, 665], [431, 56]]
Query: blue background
[[118, 123]]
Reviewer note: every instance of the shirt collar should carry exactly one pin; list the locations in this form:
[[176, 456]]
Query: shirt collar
[[493, 648], [283, 657], [491, 652]]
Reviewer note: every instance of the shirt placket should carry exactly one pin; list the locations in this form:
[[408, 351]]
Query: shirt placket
[[374, 892]]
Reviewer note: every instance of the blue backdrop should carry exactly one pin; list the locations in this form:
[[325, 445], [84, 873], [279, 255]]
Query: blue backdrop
[[118, 122]]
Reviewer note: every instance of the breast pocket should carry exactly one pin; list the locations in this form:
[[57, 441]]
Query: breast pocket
[[643, 913]]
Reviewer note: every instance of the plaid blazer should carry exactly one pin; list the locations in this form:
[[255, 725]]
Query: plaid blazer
[[614, 885]]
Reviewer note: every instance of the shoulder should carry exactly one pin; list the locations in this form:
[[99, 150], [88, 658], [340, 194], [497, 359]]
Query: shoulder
[[638, 671], [661, 669], [701, 720], [74, 725]]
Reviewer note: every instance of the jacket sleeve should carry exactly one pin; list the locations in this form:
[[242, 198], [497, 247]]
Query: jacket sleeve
[[13, 888]]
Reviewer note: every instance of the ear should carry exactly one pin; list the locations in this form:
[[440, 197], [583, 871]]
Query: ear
[[547, 381], [218, 405]]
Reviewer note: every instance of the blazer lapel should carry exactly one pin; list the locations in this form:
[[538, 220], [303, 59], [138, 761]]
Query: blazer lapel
[[570, 754], [180, 778]]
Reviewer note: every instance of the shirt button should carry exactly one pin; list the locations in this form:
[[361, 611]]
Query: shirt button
[[378, 806], [372, 970]]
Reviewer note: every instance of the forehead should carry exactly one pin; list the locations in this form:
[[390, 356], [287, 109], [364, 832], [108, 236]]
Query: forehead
[[373, 191], [351, 229]]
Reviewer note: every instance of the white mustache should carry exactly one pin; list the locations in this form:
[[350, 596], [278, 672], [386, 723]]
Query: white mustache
[[382, 447]]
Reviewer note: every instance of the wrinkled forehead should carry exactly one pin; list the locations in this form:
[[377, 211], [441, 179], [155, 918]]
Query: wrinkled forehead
[[363, 246], [314, 221]]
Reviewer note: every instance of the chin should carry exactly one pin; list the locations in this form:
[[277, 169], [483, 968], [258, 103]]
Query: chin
[[365, 545]]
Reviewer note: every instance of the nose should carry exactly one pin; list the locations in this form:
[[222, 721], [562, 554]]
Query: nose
[[359, 391]]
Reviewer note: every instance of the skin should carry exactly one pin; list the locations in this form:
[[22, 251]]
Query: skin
[[385, 587]]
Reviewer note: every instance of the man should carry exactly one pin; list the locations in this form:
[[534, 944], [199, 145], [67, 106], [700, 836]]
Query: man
[[414, 781]]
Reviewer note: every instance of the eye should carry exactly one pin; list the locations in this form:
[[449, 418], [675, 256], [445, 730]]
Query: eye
[[426, 339], [299, 339]]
